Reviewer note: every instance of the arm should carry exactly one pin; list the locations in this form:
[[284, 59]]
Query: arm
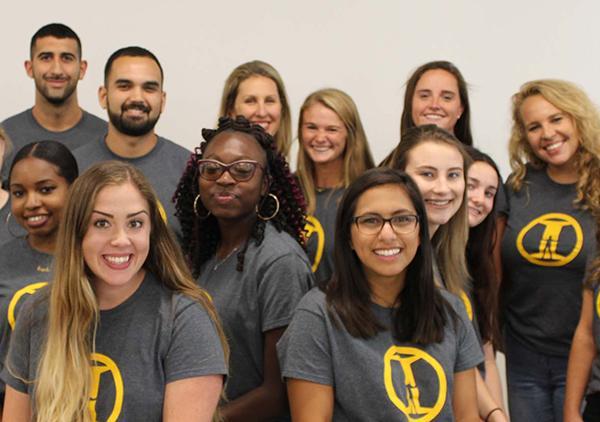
[[583, 351], [464, 397], [269, 399], [309, 401], [192, 399], [486, 403], [17, 407], [492, 376]]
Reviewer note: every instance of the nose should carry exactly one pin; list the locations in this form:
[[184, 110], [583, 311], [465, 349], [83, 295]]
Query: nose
[[321, 136], [547, 131], [441, 185], [387, 232], [32, 201], [56, 67], [226, 179], [136, 94], [261, 109], [476, 196], [120, 237]]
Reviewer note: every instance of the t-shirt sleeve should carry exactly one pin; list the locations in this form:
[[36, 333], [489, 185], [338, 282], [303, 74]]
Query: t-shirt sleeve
[[304, 350], [469, 353], [195, 348], [281, 286], [502, 202], [16, 371]]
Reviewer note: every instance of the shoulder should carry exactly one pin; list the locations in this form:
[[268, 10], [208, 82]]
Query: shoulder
[[279, 243], [314, 302], [12, 121], [93, 122], [173, 149]]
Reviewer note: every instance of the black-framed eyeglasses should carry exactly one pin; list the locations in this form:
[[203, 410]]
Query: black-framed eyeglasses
[[240, 171], [373, 223]]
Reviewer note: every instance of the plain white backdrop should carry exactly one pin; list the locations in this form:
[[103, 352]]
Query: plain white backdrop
[[366, 48]]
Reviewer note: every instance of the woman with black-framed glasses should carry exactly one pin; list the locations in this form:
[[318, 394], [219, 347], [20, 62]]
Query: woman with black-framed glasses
[[380, 342], [242, 217]]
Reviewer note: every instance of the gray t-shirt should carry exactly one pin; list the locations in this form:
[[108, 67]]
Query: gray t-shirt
[[5, 235], [163, 166], [22, 129], [153, 338], [321, 231], [594, 384], [377, 379], [261, 298], [545, 250]]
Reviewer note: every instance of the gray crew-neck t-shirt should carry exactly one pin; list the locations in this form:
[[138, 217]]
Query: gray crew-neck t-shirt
[[321, 231], [153, 338], [22, 129], [378, 379], [594, 383], [261, 298], [163, 166], [546, 248]]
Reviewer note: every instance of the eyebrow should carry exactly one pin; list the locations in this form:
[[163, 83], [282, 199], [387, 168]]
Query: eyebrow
[[133, 214]]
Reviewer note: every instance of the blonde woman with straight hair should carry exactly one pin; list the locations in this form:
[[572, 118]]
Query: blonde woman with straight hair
[[333, 152], [552, 197], [256, 91], [123, 333]]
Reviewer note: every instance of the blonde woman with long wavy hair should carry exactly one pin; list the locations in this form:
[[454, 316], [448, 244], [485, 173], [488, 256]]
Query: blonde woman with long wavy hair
[[552, 195], [332, 152], [123, 332]]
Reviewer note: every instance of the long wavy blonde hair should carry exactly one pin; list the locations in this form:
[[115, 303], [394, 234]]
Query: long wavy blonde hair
[[283, 137], [450, 239], [64, 373], [357, 155], [576, 104]]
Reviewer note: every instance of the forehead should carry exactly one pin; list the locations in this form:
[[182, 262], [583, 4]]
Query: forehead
[[136, 69], [55, 45], [124, 197], [483, 172], [435, 154], [258, 85], [34, 169], [319, 112], [438, 79], [537, 107], [231, 146], [385, 200]]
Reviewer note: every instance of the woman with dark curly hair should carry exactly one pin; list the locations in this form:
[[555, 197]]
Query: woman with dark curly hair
[[238, 199]]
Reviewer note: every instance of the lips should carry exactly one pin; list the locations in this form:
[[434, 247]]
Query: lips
[[117, 262], [388, 252], [224, 197], [35, 221], [441, 203]]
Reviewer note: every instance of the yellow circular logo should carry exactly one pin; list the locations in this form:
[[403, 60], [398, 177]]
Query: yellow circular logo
[[415, 407], [102, 364], [12, 306], [551, 226], [314, 228], [598, 304], [467, 303]]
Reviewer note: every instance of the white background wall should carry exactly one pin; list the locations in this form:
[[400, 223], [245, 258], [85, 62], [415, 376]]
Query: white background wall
[[367, 49]]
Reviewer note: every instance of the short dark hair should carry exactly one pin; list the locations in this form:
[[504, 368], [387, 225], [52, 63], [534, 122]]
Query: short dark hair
[[54, 153], [131, 51], [56, 30], [423, 312]]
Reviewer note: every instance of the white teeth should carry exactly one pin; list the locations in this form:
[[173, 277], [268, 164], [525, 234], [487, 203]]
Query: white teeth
[[36, 218], [433, 116], [387, 252], [553, 146], [439, 202], [321, 149], [117, 259]]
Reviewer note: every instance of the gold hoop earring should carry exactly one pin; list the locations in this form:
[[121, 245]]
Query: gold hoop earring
[[272, 216], [195, 207], [7, 223]]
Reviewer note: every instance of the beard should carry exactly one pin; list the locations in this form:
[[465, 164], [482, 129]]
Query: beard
[[132, 127], [59, 97]]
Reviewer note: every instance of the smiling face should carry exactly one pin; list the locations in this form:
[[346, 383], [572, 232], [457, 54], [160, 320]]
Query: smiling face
[[117, 241], [38, 194], [226, 198], [258, 101], [550, 132], [436, 100], [386, 255], [323, 134], [482, 185], [133, 95], [56, 68], [438, 170]]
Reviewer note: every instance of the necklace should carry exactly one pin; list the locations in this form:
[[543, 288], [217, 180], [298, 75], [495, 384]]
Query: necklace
[[219, 263]]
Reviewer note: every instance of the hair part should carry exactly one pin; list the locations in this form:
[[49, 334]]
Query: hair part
[[53, 152], [283, 137], [55, 30], [131, 51], [357, 155]]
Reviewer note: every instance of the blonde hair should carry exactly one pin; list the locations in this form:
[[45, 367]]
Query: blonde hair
[[357, 155], [576, 104], [64, 373], [450, 239], [283, 137]]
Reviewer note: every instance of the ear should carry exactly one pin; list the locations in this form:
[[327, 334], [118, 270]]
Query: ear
[[460, 113], [28, 68], [163, 102], [102, 96], [82, 68], [266, 184]]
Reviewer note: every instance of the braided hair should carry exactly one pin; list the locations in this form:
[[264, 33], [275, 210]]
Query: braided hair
[[202, 235]]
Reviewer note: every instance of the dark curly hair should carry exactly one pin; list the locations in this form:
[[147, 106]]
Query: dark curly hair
[[201, 236]]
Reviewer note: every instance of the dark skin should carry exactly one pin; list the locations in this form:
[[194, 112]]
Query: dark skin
[[233, 204]]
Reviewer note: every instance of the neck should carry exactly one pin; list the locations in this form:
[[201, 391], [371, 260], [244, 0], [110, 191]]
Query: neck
[[385, 290], [110, 297], [234, 234], [329, 175], [44, 244], [57, 118], [130, 146], [566, 174], [432, 229]]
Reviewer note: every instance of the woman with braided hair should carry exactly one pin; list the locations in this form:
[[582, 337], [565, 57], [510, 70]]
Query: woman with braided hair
[[242, 217]]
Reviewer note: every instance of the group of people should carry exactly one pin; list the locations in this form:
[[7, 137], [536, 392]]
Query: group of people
[[139, 281]]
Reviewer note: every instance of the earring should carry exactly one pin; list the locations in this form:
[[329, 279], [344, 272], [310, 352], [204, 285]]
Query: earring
[[195, 207], [7, 223], [270, 217]]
